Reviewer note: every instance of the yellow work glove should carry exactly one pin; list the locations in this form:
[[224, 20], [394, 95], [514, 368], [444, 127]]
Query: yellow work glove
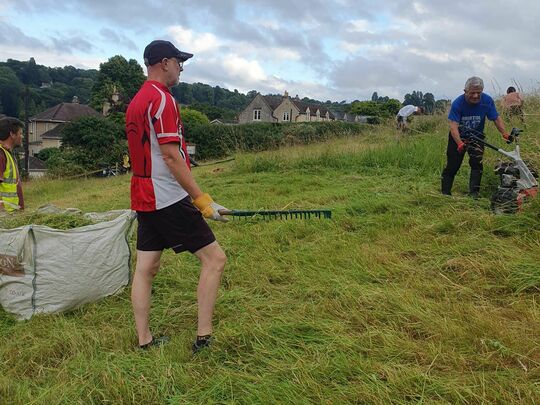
[[209, 208]]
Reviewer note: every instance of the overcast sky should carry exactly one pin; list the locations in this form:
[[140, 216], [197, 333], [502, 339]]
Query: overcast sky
[[327, 50]]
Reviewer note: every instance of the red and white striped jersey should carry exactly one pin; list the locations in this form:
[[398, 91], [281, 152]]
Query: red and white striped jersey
[[153, 119]]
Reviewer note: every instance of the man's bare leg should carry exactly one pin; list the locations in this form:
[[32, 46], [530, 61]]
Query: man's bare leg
[[141, 290], [213, 261]]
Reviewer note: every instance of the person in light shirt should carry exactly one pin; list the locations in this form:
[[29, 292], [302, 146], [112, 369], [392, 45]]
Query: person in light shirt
[[404, 113]]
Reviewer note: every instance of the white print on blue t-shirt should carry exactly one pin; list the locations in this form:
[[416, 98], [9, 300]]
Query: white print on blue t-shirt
[[472, 122]]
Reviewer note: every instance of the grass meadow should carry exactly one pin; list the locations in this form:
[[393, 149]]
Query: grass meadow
[[404, 296]]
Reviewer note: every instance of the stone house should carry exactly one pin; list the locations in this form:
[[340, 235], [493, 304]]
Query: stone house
[[283, 109], [45, 127]]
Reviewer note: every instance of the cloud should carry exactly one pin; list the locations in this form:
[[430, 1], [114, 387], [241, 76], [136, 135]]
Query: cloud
[[194, 42], [71, 42], [11, 36], [349, 48], [110, 35]]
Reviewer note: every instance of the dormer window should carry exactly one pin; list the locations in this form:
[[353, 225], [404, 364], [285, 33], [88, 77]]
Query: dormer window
[[257, 114]]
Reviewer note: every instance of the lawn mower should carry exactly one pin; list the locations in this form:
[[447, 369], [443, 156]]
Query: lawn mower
[[517, 179]]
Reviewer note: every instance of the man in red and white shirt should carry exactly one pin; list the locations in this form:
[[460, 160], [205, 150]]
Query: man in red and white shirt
[[170, 205]]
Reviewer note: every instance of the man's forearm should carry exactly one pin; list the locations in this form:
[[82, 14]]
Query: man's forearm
[[183, 175], [454, 131], [500, 125]]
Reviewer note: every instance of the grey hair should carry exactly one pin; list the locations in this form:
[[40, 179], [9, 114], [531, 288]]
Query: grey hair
[[474, 81]]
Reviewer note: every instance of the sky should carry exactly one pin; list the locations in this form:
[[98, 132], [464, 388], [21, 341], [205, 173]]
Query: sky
[[326, 50]]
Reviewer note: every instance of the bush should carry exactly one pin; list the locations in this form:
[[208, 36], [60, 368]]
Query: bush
[[46, 153], [215, 141], [88, 144]]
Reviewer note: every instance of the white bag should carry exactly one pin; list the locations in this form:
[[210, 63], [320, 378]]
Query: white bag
[[46, 270]]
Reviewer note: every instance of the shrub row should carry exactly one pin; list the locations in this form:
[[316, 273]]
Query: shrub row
[[216, 141]]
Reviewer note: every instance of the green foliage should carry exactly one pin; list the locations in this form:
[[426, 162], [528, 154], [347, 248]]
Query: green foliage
[[192, 119], [441, 106], [415, 98], [88, 144], [120, 75], [46, 153], [427, 101], [214, 141], [382, 108], [10, 92], [405, 296], [117, 117], [389, 108], [65, 163], [213, 112], [370, 108], [48, 86], [204, 97]]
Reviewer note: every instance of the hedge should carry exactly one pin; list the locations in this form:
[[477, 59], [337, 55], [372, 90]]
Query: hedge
[[219, 140]]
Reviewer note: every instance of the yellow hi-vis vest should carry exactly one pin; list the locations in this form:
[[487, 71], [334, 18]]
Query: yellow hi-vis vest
[[8, 187]]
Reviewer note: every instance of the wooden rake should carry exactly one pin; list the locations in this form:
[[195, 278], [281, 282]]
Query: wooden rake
[[278, 214]]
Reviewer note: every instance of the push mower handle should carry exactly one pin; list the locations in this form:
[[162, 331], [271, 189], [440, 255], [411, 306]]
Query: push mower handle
[[515, 133], [480, 140]]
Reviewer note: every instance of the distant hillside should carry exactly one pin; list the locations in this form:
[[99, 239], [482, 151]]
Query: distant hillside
[[50, 86]]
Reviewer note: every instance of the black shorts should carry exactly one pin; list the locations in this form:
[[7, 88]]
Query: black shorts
[[179, 227], [400, 118]]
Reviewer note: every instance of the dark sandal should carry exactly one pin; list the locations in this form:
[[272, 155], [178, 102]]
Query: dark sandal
[[155, 342], [201, 342]]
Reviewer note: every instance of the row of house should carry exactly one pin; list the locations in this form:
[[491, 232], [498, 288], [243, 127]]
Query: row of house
[[289, 109], [45, 130]]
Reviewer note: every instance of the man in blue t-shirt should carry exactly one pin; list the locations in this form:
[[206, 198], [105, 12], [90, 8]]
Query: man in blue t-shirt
[[467, 117]]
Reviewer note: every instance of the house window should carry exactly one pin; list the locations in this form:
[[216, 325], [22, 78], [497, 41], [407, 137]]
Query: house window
[[257, 115], [286, 116]]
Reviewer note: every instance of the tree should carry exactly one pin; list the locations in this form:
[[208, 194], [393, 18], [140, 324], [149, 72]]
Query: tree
[[10, 92], [390, 108], [193, 118], [429, 103], [376, 109], [441, 106], [117, 74], [416, 98], [369, 108], [94, 142], [374, 96], [47, 153]]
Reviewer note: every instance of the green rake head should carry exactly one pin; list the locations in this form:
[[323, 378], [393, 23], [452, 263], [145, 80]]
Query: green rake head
[[279, 214]]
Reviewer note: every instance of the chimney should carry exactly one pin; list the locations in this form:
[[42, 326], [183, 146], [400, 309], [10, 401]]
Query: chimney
[[75, 100], [286, 94]]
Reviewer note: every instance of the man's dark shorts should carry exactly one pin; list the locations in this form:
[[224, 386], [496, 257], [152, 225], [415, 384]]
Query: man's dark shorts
[[179, 226]]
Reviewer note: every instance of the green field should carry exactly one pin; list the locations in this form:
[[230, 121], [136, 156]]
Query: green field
[[405, 296]]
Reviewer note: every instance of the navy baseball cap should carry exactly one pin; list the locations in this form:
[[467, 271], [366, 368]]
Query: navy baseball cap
[[155, 51]]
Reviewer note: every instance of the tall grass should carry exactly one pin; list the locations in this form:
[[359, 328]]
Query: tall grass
[[405, 296]]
